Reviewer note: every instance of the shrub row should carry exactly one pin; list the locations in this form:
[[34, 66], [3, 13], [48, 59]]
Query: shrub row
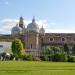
[[57, 57]]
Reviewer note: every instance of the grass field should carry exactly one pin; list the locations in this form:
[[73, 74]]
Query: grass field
[[36, 68]]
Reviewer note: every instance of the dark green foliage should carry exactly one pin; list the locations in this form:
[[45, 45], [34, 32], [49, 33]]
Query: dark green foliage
[[71, 58], [73, 50], [17, 47], [12, 57], [50, 51], [56, 57], [55, 49], [42, 53], [45, 52], [44, 58], [66, 49], [59, 57], [27, 57], [63, 57]]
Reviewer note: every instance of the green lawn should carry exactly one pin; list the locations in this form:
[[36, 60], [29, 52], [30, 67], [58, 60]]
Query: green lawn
[[36, 68]]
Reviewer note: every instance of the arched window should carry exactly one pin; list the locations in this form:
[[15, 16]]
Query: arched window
[[51, 39], [63, 39]]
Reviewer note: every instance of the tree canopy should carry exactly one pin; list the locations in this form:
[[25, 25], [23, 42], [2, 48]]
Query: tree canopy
[[66, 49], [17, 47], [73, 49]]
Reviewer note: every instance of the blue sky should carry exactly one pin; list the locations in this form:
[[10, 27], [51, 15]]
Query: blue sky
[[57, 16]]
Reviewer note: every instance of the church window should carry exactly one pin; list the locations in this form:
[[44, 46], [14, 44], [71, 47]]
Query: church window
[[63, 39], [51, 39]]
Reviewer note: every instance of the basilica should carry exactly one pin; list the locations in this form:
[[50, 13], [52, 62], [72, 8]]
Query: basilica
[[35, 39]]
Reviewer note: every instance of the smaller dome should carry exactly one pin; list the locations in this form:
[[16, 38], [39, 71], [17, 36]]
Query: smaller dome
[[16, 30], [42, 30]]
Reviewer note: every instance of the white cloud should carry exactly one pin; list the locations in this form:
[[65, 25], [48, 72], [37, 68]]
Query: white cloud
[[26, 22], [60, 31], [9, 21], [7, 24], [5, 31], [42, 22]]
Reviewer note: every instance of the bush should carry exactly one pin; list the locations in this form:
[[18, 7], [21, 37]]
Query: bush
[[44, 58], [59, 57], [56, 57], [27, 57], [63, 57], [12, 57], [71, 58]]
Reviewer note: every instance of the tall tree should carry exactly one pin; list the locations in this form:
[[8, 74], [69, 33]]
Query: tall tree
[[73, 49], [66, 49], [46, 52], [55, 49], [17, 47]]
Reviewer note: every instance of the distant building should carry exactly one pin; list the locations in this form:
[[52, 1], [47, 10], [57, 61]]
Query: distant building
[[35, 39]]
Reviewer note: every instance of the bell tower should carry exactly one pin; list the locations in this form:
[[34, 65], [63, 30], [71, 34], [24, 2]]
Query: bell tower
[[21, 23]]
